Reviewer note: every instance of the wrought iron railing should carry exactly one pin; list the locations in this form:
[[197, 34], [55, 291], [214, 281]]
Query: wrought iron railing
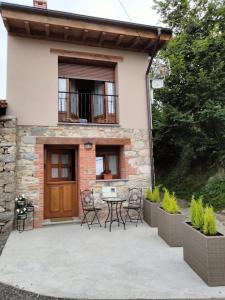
[[87, 108]]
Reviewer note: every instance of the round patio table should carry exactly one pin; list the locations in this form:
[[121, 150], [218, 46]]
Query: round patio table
[[114, 206]]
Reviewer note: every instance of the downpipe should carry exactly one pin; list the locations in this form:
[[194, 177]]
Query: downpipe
[[149, 108]]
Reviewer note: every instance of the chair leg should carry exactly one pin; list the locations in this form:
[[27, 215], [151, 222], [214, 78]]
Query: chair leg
[[85, 219], [126, 216], [98, 218]]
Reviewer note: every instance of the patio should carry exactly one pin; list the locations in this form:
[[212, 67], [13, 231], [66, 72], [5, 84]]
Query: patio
[[72, 261]]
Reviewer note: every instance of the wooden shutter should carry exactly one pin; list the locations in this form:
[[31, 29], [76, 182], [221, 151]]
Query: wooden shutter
[[100, 73]]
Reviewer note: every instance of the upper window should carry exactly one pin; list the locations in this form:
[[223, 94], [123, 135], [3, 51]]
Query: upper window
[[87, 93], [107, 161]]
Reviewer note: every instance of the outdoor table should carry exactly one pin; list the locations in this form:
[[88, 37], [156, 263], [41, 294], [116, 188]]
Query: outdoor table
[[114, 202]]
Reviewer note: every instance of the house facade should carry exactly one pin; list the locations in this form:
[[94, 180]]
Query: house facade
[[76, 86]]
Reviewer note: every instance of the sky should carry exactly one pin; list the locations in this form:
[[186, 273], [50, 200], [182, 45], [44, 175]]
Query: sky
[[140, 11]]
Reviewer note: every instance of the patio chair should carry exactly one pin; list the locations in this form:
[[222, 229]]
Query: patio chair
[[88, 206], [134, 203]]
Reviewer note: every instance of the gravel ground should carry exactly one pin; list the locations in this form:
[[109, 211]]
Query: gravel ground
[[10, 293]]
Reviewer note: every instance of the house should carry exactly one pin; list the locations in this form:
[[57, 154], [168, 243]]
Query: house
[[76, 86]]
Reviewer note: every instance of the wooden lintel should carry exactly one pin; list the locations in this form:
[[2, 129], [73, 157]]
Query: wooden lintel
[[66, 33], [6, 23], [84, 35], [47, 30], [27, 27], [78, 141], [87, 55], [101, 38], [135, 42], [119, 39]]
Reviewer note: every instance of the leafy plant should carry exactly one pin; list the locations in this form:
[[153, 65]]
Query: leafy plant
[[213, 194], [197, 213], [209, 226], [153, 196], [169, 203]]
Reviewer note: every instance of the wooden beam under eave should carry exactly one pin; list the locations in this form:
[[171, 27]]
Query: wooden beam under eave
[[47, 30], [6, 23], [119, 39], [135, 42], [84, 35], [27, 27], [102, 37], [66, 33], [149, 44]]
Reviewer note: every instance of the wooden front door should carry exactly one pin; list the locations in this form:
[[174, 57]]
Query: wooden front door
[[60, 183]]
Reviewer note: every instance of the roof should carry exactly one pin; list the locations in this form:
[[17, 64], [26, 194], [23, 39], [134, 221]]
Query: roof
[[48, 24]]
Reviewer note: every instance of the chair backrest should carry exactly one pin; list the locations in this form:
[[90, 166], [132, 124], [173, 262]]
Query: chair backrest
[[135, 196], [87, 199]]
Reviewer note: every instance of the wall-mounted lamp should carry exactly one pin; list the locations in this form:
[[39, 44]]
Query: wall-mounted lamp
[[88, 145]]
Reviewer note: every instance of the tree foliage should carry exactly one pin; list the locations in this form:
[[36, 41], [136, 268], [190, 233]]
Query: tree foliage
[[189, 112]]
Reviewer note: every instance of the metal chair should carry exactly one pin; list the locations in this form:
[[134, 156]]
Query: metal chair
[[134, 203], [88, 206]]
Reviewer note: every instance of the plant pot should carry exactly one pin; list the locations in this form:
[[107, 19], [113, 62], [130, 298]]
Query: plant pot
[[170, 227], [150, 213], [205, 255], [107, 176], [21, 216], [20, 203], [30, 208]]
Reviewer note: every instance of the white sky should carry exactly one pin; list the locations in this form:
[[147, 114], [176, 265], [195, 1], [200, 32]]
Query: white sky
[[140, 11]]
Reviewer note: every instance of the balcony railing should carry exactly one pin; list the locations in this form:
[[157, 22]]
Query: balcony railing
[[87, 108]]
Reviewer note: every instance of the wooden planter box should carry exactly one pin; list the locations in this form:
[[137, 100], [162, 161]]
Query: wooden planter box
[[205, 255], [170, 227], [150, 213]]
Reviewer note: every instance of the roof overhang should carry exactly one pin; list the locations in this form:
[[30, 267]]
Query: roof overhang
[[32, 22]]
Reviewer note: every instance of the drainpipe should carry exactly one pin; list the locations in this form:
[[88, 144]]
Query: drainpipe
[[149, 108]]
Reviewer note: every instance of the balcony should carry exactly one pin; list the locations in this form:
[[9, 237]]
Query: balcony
[[77, 107]]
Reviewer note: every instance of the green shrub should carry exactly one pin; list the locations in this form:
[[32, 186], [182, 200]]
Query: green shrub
[[213, 194], [153, 196], [169, 203], [197, 213], [209, 226]]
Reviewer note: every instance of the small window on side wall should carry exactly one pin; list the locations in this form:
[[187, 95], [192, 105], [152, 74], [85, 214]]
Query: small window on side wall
[[108, 162]]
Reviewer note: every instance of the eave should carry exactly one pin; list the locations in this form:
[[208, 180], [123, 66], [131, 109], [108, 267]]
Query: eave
[[47, 24]]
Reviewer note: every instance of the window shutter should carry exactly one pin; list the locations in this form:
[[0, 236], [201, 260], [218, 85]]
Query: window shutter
[[100, 73]]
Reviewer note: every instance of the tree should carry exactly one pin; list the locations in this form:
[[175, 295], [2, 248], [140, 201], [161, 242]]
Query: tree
[[189, 112]]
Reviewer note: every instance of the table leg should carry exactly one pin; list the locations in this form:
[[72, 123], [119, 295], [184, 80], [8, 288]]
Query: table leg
[[111, 216], [108, 214]]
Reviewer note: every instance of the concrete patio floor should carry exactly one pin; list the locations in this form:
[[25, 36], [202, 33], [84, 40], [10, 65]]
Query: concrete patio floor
[[74, 262]]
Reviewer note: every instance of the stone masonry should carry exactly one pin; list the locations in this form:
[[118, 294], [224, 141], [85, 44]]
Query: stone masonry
[[135, 168], [7, 171]]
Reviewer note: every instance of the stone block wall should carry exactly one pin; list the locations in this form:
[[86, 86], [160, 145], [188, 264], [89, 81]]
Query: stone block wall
[[135, 168], [8, 149]]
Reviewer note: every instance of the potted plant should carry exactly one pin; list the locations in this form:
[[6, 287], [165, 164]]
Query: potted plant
[[20, 201], [204, 246], [107, 175], [30, 207], [21, 213], [151, 202], [170, 220]]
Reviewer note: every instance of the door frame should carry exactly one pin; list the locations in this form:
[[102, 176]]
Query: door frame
[[76, 166]]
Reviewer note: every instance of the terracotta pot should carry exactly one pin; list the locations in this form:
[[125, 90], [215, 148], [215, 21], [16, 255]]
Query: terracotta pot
[[150, 213], [205, 255], [107, 176], [170, 227]]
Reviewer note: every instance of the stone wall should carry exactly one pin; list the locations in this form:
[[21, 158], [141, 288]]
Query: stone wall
[[7, 170], [30, 160]]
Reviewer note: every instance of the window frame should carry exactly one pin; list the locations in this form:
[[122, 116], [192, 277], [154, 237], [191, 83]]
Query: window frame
[[105, 152]]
